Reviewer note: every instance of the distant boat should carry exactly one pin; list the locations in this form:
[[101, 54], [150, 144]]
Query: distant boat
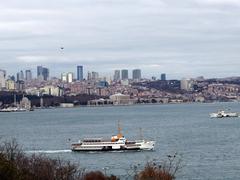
[[116, 143], [13, 109], [222, 114]]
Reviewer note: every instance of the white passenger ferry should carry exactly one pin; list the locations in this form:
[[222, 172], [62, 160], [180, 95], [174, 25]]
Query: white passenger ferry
[[118, 142], [222, 114]]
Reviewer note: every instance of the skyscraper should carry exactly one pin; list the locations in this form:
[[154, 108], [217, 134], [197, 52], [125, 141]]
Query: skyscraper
[[163, 77], [63, 77], [79, 73], [39, 71], [116, 76], [45, 74], [95, 76], [28, 75], [89, 76], [124, 74], [20, 76], [70, 77], [136, 74], [42, 73], [2, 78]]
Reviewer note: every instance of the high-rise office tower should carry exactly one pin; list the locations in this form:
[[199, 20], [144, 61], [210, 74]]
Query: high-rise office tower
[[45, 74], [2, 78], [89, 76], [20, 76], [124, 74], [63, 77], [136, 74], [116, 76], [28, 75], [70, 77], [42, 73], [39, 71], [163, 77], [95, 76], [79, 73]]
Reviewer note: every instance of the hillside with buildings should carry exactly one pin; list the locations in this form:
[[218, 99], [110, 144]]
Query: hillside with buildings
[[121, 89]]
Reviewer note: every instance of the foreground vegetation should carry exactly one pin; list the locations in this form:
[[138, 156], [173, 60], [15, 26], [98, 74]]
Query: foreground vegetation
[[16, 165]]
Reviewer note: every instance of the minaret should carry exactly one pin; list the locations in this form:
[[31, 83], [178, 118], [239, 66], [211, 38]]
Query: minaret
[[15, 100], [41, 102]]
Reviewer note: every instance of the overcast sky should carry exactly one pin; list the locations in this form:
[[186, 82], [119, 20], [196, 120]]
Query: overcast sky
[[185, 38]]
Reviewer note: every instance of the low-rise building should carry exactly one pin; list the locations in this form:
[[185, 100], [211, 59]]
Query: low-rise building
[[121, 99]]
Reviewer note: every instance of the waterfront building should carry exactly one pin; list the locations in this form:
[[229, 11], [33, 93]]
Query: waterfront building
[[66, 105], [28, 75], [124, 74], [120, 99], [136, 74], [163, 77], [42, 73], [2, 79], [79, 73], [116, 76]]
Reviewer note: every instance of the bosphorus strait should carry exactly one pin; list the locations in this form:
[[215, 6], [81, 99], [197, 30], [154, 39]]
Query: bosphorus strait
[[209, 148]]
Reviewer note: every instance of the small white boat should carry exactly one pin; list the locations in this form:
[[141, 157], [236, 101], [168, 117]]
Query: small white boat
[[13, 109], [118, 142], [222, 114]]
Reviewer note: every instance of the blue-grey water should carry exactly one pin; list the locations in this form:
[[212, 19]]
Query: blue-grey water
[[210, 148]]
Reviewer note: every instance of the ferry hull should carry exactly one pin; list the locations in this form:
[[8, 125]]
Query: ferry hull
[[97, 150], [105, 148]]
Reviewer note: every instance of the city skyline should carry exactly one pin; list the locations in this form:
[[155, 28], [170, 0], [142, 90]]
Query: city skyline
[[26, 74], [193, 37]]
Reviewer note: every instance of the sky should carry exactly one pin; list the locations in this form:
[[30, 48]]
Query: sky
[[187, 38]]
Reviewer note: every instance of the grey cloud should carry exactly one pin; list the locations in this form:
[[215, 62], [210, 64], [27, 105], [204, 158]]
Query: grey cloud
[[184, 36]]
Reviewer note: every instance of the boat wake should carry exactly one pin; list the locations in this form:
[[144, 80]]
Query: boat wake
[[48, 151]]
